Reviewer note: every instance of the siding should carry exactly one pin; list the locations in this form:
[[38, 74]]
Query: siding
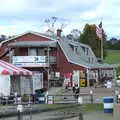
[[65, 66], [31, 37]]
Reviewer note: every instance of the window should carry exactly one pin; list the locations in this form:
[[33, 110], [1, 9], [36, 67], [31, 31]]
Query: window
[[41, 52], [32, 52]]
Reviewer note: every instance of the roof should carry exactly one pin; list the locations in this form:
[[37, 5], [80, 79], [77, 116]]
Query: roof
[[78, 58], [9, 69], [34, 44], [35, 33]]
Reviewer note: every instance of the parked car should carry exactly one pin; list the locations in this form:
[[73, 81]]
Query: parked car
[[116, 82]]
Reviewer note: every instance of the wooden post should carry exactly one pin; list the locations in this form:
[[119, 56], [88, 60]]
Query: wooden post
[[88, 84], [91, 96], [20, 117], [80, 116], [102, 49]]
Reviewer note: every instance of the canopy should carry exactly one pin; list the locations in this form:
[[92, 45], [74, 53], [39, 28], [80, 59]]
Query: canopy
[[9, 69]]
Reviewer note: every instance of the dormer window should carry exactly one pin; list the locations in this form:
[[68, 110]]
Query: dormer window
[[73, 47], [83, 48]]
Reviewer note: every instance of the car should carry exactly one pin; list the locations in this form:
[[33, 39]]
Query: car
[[116, 82]]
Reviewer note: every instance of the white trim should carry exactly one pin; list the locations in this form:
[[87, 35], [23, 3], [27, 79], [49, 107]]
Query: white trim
[[79, 64]]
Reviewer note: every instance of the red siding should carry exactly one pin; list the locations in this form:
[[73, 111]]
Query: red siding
[[26, 37], [21, 52], [65, 66], [32, 37]]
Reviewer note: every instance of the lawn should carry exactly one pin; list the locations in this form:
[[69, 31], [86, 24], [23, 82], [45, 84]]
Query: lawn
[[113, 57]]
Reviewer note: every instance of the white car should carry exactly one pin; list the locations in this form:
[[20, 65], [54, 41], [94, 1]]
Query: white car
[[116, 82]]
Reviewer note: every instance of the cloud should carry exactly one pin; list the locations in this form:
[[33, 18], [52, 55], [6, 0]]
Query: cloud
[[12, 6], [30, 14], [19, 27]]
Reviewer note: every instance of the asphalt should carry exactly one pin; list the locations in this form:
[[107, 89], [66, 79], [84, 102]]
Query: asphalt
[[94, 116]]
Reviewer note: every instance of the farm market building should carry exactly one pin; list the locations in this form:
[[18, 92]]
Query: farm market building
[[52, 58]]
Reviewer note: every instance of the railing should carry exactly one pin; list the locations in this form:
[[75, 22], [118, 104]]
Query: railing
[[26, 61], [83, 98], [52, 59]]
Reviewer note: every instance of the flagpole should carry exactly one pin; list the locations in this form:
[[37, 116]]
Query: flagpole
[[102, 48]]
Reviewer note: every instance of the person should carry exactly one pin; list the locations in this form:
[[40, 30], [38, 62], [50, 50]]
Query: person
[[77, 90], [73, 89]]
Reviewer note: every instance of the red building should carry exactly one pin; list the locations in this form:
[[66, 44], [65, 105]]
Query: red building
[[53, 56]]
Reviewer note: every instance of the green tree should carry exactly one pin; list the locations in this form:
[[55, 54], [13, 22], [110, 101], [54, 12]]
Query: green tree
[[74, 34], [89, 37]]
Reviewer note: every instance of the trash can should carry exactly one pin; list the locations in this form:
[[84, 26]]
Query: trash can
[[108, 104], [41, 98]]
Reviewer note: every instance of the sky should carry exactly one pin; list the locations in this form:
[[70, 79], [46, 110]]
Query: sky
[[19, 16]]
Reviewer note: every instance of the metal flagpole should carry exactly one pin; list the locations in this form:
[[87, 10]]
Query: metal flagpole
[[102, 48]]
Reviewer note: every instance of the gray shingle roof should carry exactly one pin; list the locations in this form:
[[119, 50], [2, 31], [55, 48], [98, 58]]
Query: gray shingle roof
[[79, 57]]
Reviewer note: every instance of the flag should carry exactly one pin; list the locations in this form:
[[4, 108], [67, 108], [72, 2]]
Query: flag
[[99, 31]]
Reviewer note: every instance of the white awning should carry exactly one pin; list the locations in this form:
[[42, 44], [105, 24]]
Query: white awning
[[9, 69]]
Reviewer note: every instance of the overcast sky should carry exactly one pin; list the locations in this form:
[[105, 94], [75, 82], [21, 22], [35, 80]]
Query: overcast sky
[[19, 16]]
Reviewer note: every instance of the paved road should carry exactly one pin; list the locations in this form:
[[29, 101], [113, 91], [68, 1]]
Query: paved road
[[52, 115], [98, 93], [95, 116]]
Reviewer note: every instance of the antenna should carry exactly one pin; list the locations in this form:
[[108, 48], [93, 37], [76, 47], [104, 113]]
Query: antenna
[[54, 23]]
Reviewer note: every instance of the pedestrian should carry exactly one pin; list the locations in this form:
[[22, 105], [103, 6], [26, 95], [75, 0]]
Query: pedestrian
[[73, 89]]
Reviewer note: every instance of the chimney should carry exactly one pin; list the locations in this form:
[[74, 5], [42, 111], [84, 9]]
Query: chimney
[[59, 33]]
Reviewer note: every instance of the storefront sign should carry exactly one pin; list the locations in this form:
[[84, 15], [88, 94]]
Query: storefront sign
[[30, 61]]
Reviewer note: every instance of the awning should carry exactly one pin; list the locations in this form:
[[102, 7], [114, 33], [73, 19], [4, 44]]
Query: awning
[[9, 69]]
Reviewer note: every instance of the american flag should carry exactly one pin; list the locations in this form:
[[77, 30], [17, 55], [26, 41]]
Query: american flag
[[99, 31]]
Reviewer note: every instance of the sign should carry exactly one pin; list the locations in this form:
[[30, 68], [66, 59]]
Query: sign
[[29, 61], [37, 81], [67, 80], [57, 74], [76, 78], [50, 99]]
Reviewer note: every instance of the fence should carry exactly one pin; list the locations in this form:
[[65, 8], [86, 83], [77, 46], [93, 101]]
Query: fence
[[70, 99]]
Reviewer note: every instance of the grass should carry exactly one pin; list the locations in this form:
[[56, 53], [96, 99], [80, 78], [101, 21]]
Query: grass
[[113, 57], [86, 107], [93, 107]]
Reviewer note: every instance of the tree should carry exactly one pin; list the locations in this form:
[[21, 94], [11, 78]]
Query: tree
[[89, 37], [3, 37], [113, 44], [74, 34], [54, 23]]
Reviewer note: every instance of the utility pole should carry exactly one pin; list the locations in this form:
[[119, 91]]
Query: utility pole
[[48, 70]]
